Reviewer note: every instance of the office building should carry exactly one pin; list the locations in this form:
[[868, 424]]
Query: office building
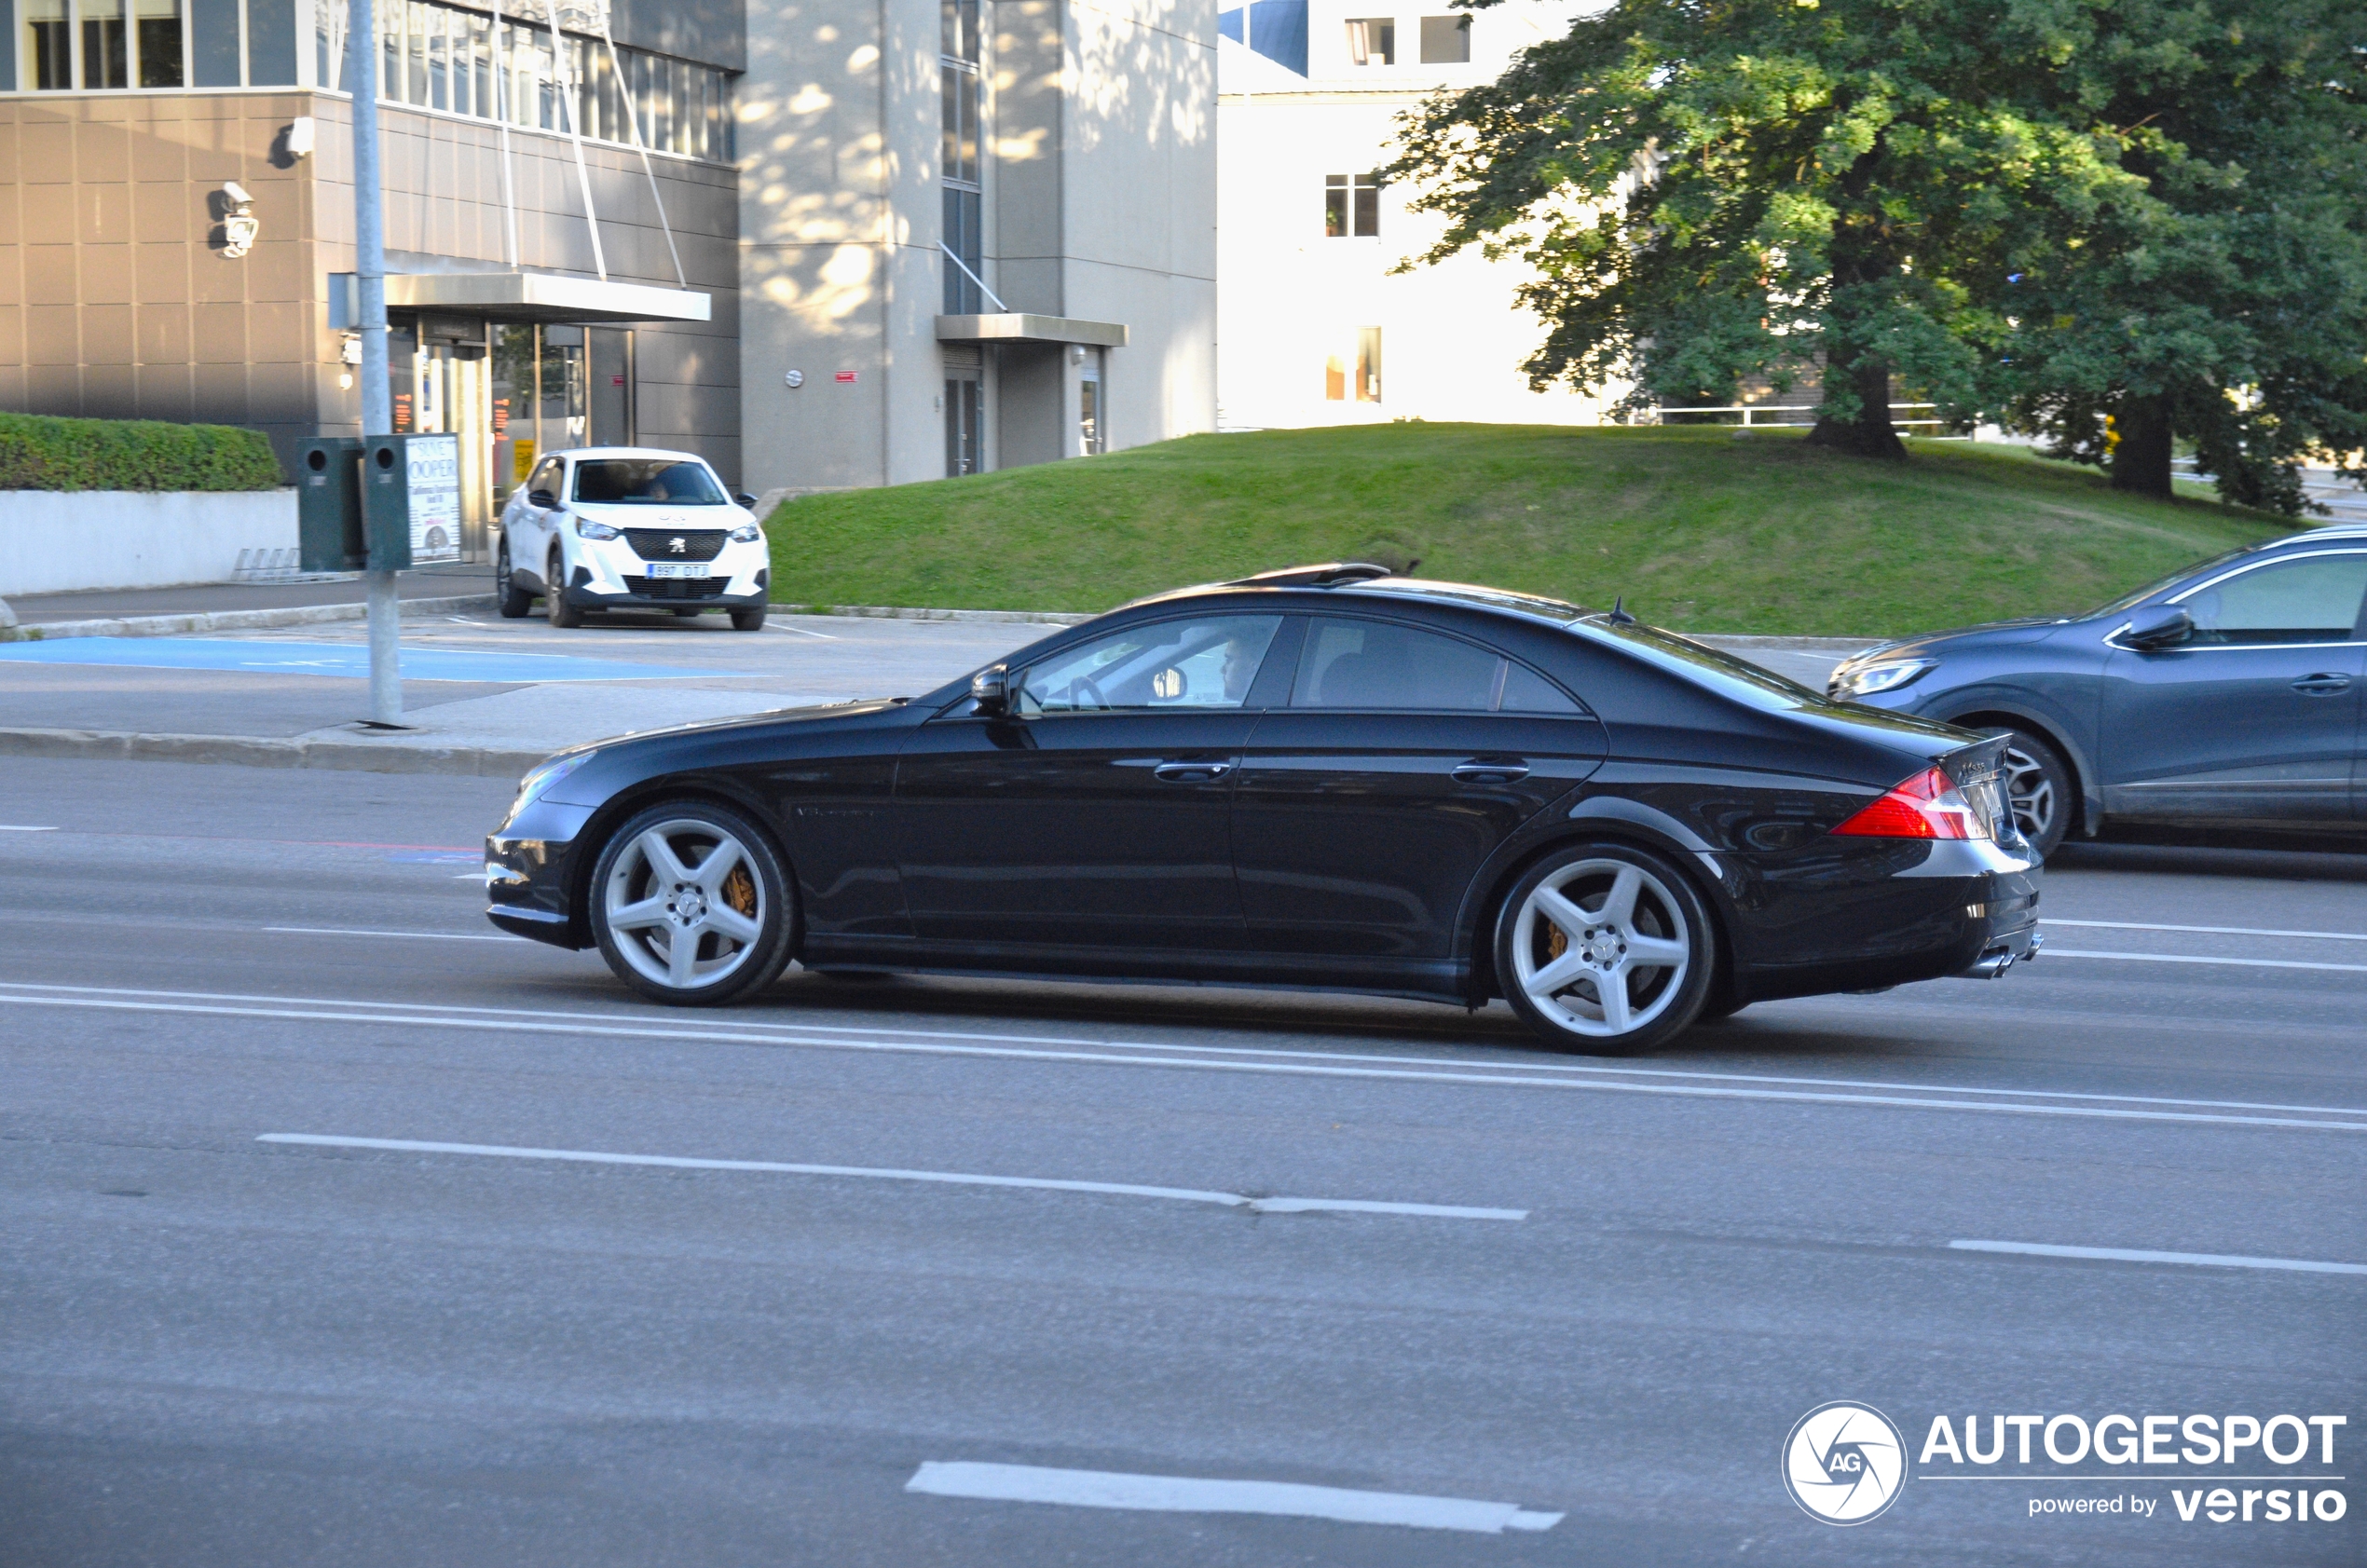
[[823, 245]]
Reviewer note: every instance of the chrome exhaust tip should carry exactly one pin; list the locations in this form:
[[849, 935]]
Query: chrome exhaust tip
[[1991, 964]]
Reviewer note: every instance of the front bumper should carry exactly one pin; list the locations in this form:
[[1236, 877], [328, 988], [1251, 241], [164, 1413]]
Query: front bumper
[[529, 871], [608, 575]]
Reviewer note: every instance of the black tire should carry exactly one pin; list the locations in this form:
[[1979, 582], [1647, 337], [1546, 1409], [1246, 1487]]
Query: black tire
[[688, 897], [564, 615], [2040, 787], [513, 601], [749, 619], [1663, 909]]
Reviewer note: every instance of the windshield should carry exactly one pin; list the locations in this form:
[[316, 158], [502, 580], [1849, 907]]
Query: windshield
[[2137, 597], [645, 482]]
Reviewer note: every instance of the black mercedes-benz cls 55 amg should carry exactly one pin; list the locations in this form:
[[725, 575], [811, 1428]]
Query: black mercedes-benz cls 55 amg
[[1323, 777]]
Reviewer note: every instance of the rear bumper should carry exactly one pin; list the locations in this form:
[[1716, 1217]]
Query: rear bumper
[[1901, 911]]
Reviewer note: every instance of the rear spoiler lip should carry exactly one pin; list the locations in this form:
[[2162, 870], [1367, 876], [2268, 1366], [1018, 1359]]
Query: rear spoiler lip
[[1983, 759]]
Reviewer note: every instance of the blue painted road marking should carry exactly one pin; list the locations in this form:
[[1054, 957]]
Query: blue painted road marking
[[350, 659]]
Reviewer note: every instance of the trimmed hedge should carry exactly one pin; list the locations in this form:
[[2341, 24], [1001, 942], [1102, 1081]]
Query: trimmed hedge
[[38, 452]]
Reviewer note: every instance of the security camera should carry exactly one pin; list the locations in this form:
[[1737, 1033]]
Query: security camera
[[237, 193]]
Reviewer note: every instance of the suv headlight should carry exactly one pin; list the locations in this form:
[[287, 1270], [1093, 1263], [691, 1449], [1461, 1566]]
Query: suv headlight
[[1883, 675], [747, 533], [587, 529]]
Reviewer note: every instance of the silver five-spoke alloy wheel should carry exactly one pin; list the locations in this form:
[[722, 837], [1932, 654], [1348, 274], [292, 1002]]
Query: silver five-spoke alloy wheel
[[1613, 946], [689, 905], [1604, 950]]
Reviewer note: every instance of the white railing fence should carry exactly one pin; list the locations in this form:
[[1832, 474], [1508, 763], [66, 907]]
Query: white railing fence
[[1789, 416]]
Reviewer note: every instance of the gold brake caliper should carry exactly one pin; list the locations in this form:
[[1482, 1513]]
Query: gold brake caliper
[[739, 891], [1557, 941]]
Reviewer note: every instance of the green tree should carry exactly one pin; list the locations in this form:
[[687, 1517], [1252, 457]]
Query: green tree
[[1956, 197], [2226, 307]]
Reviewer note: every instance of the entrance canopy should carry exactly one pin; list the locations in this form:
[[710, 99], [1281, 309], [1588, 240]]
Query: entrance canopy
[[524, 297], [1024, 327]]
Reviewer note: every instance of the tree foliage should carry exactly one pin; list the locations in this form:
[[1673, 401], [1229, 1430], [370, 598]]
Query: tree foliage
[[2051, 212]]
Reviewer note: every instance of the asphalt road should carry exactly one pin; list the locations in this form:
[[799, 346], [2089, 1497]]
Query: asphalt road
[[218, 1349]]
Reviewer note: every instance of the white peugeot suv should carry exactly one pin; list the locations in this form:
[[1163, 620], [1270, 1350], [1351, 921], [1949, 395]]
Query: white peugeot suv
[[631, 527]]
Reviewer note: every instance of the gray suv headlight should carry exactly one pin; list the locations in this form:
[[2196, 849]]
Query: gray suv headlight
[[746, 533], [1883, 675]]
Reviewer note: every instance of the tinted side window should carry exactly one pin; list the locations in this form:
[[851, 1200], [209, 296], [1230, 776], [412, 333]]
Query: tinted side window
[[1370, 664], [1527, 692], [2312, 600], [1202, 664]]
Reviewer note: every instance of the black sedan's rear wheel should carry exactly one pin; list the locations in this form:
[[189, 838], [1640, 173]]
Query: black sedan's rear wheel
[[1604, 950], [2039, 787], [691, 905]]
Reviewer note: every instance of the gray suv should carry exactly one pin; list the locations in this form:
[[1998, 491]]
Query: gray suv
[[2227, 695]]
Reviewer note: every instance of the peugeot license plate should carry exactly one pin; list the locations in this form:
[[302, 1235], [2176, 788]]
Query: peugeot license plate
[[678, 568]]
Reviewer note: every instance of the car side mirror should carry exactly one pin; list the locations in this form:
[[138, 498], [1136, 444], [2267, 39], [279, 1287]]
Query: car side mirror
[[2162, 626], [542, 500], [745, 499], [991, 690]]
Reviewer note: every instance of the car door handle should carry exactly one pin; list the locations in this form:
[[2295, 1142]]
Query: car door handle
[[1481, 770], [2327, 684], [1191, 772]]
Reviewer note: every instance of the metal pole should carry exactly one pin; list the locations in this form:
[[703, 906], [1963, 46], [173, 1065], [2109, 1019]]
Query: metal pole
[[378, 402]]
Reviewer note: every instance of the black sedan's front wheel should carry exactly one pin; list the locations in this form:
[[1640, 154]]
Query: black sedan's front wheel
[[1604, 950], [691, 905]]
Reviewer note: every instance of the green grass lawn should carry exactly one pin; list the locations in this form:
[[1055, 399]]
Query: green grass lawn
[[1698, 529]]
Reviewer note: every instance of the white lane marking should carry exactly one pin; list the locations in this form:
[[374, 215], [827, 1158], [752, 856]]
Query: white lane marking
[[727, 1037], [2213, 930], [801, 631], [2185, 957], [11, 827], [795, 1034], [956, 1179], [2133, 1255], [422, 936], [1195, 1494]]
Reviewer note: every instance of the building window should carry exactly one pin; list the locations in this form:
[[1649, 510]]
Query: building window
[[1352, 206], [957, 70], [94, 44], [1447, 40], [460, 62], [965, 427], [1372, 41], [1088, 407], [1355, 376], [48, 46]]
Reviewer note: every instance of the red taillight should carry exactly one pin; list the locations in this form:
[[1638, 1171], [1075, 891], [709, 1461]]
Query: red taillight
[[1926, 806]]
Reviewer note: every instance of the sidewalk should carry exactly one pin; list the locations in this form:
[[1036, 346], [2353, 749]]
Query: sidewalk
[[488, 696], [227, 606]]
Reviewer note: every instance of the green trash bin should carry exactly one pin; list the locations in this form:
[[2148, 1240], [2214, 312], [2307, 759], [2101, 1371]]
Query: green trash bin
[[329, 532]]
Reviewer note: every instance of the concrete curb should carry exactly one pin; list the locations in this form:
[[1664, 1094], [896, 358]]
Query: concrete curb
[[391, 756], [1843, 646], [899, 612], [234, 621]]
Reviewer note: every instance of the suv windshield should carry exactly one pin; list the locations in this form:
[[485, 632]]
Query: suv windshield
[[645, 482]]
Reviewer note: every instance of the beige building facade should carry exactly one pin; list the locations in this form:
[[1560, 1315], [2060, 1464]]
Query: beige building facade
[[974, 235]]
